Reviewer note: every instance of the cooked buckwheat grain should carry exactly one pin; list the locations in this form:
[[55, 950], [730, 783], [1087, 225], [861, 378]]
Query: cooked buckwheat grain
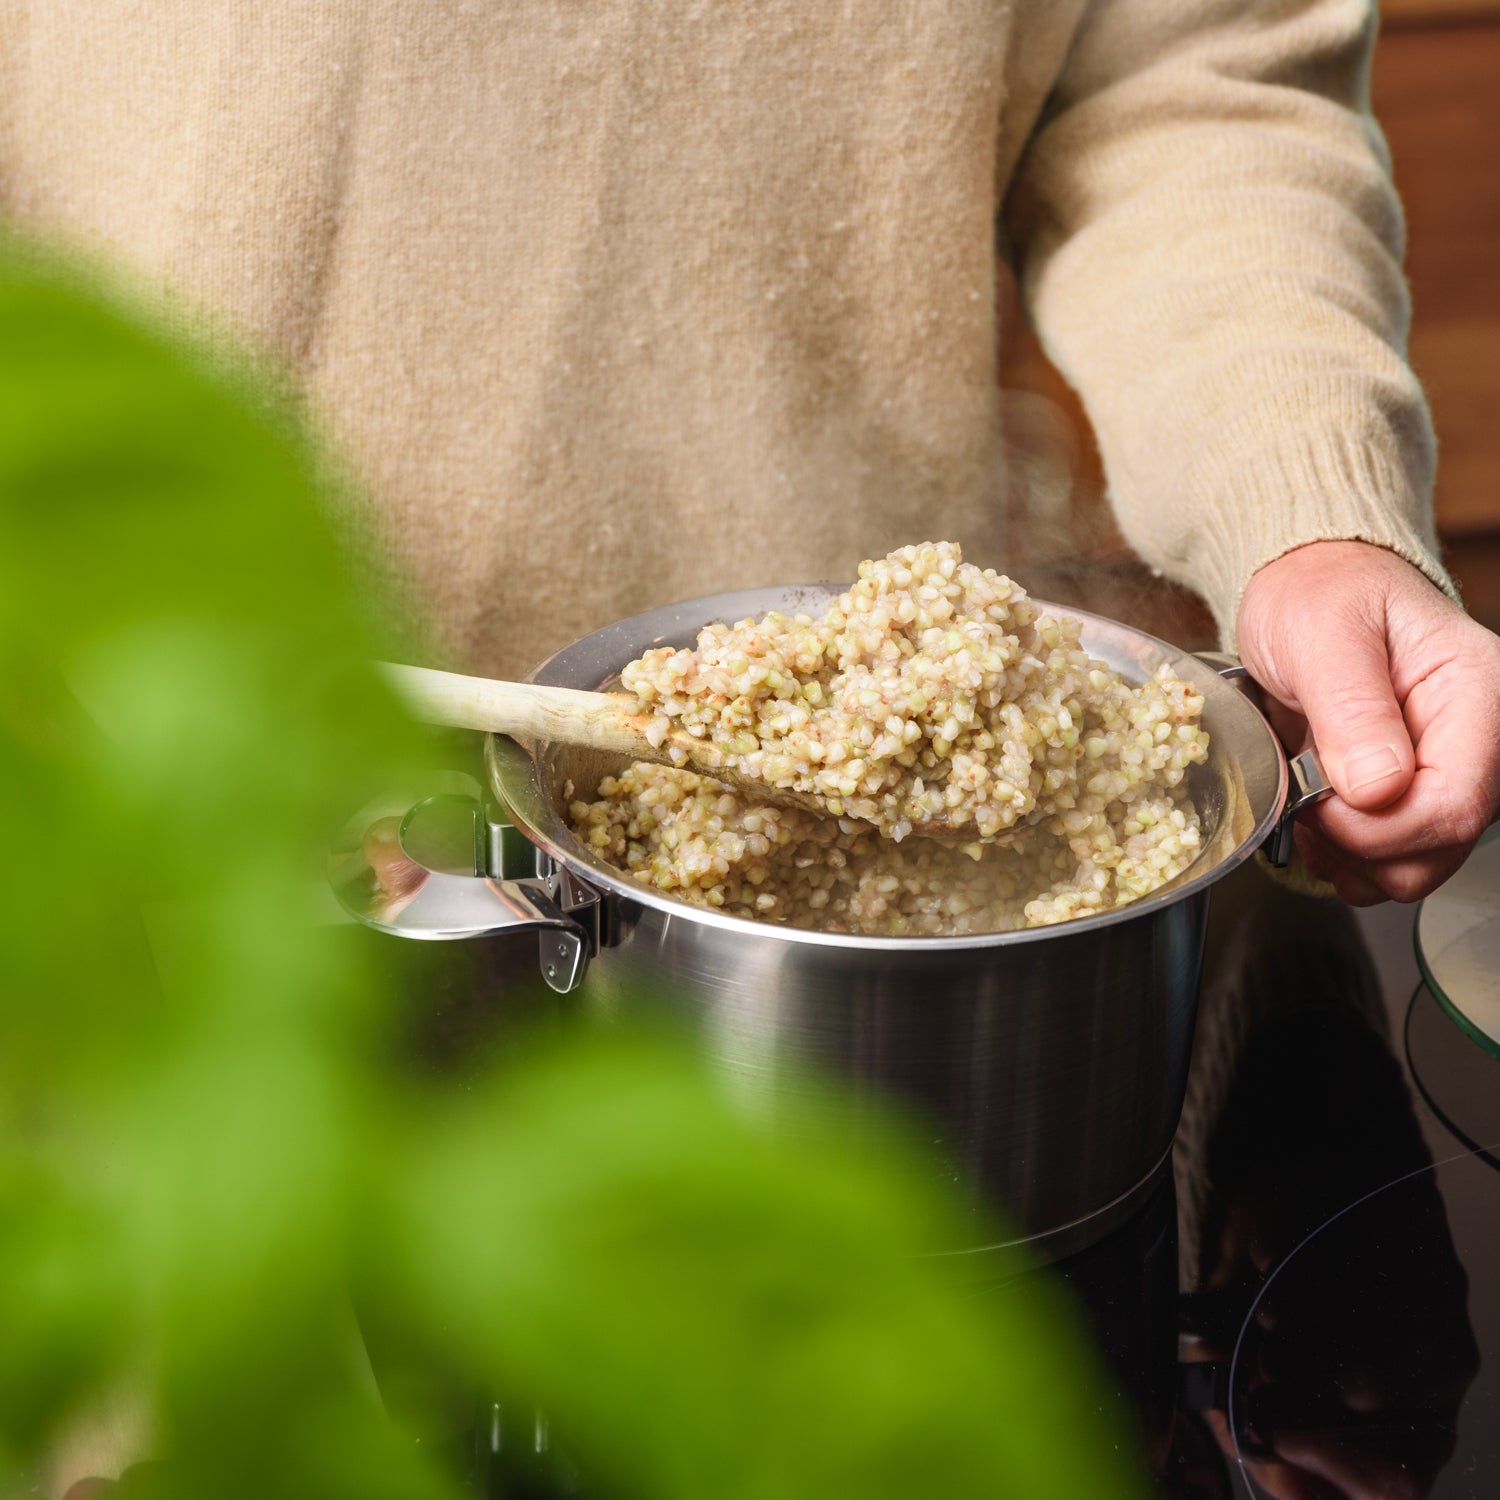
[[931, 687]]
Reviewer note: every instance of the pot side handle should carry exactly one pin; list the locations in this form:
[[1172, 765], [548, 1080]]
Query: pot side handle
[[432, 874], [1307, 781]]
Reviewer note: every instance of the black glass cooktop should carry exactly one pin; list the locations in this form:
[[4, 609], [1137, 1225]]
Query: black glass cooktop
[[1329, 1325], [1361, 1368]]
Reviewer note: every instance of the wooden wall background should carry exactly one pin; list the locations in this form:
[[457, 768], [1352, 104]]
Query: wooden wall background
[[1436, 89]]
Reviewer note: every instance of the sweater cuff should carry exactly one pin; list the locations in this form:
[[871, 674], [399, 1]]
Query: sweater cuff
[[1333, 481]]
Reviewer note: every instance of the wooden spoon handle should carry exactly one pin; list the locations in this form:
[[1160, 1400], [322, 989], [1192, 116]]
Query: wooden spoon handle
[[608, 721]]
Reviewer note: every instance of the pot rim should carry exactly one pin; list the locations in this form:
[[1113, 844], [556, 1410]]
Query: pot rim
[[512, 769]]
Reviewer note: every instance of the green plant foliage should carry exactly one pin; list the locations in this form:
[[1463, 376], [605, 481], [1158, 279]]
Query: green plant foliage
[[793, 1306], [207, 1157]]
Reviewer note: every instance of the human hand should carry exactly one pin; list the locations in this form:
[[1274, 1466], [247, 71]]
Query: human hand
[[1401, 692]]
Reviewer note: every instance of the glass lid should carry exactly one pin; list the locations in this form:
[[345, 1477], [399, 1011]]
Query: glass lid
[[1458, 944]]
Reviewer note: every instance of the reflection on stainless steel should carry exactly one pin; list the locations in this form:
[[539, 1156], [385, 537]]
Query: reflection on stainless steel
[[424, 875], [1310, 784], [1045, 1065]]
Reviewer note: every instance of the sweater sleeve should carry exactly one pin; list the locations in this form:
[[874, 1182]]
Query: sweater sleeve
[[1209, 245]]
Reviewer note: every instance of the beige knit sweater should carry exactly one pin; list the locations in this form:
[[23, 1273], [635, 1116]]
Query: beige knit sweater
[[609, 304]]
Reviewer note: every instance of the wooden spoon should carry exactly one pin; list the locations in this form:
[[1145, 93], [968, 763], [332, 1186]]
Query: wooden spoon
[[605, 721]]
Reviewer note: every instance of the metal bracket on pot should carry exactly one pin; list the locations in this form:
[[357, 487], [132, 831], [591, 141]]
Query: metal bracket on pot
[[512, 856], [451, 868], [1309, 784], [1307, 781]]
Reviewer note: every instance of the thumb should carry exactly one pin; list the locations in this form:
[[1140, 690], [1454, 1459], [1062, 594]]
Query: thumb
[[1344, 687]]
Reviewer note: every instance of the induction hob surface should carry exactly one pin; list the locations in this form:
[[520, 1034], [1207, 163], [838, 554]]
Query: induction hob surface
[[1330, 1329]]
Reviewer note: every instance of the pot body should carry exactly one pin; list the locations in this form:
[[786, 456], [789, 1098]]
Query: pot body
[[1047, 1066], [1047, 1078]]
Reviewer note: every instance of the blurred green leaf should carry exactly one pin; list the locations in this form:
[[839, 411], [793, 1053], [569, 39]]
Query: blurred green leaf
[[604, 1232], [203, 1146], [65, 1315]]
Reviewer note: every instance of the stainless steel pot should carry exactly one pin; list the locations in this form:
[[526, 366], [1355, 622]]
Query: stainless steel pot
[[1047, 1066]]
